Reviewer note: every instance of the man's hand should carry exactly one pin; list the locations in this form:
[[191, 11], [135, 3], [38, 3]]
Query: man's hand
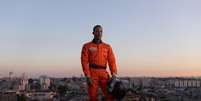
[[89, 81]]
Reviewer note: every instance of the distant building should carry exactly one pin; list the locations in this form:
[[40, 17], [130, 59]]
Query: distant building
[[23, 83], [44, 82], [40, 96], [190, 83], [8, 96]]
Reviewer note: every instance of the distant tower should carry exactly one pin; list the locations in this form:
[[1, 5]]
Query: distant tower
[[23, 82], [10, 75], [44, 82]]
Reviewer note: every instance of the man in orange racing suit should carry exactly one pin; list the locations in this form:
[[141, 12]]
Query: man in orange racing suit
[[94, 58]]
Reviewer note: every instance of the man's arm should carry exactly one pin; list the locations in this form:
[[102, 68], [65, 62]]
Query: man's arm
[[112, 62], [84, 61]]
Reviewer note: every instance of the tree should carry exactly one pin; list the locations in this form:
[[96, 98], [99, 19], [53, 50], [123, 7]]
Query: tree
[[62, 89], [21, 97]]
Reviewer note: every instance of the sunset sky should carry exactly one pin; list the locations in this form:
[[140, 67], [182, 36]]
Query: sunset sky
[[149, 37]]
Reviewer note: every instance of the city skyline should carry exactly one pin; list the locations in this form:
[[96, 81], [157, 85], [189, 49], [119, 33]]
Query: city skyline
[[149, 38]]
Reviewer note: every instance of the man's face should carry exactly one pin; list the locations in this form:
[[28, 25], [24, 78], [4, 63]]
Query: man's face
[[98, 33]]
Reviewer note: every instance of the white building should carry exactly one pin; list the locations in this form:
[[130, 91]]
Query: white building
[[44, 82], [41, 95], [187, 83], [23, 82]]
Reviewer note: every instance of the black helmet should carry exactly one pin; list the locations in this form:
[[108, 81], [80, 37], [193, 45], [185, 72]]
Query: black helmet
[[116, 88]]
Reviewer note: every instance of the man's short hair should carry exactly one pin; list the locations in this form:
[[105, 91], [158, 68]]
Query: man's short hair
[[96, 26]]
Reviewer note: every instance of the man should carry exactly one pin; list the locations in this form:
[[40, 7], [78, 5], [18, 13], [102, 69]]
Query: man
[[94, 59]]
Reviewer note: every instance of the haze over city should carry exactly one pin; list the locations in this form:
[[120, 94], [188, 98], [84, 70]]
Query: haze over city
[[150, 38]]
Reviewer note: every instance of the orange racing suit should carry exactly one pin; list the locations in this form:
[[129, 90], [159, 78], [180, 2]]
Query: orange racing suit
[[94, 60]]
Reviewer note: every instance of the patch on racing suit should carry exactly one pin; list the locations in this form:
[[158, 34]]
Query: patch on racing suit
[[92, 49]]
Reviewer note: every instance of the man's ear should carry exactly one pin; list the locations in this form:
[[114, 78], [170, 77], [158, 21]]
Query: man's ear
[[93, 33]]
